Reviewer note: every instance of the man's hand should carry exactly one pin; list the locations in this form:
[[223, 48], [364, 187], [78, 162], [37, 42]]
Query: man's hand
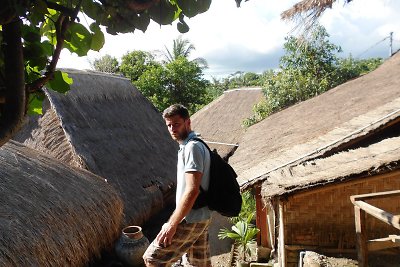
[[164, 237]]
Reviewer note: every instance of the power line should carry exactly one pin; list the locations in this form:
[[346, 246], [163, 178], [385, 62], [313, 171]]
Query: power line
[[373, 46]]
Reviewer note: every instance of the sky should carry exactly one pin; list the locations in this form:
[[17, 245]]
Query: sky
[[251, 38]]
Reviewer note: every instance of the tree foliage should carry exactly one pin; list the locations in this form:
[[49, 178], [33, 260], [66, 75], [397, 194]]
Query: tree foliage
[[106, 64], [165, 82], [135, 63], [242, 79], [33, 33], [179, 81], [308, 68], [182, 48]]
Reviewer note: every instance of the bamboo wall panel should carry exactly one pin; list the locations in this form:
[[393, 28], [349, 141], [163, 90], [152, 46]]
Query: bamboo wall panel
[[326, 218]]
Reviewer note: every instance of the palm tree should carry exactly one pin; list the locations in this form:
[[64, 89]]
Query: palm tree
[[182, 48]]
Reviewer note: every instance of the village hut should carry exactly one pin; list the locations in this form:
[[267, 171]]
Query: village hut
[[306, 161], [53, 214], [220, 123], [105, 125]]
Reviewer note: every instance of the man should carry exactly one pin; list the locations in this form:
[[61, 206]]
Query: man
[[186, 231]]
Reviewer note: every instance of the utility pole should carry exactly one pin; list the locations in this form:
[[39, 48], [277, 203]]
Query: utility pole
[[391, 44]]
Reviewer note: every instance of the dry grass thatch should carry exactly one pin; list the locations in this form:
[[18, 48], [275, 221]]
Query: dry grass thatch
[[306, 13], [104, 124], [366, 161], [314, 7], [221, 120], [318, 125], [52, 214]]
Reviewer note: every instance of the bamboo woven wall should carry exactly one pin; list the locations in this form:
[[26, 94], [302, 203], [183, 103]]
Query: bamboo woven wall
[[325, 217]]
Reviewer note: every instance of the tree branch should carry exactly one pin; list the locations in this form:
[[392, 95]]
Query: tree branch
[[13, 109], [64, 10], [62, 25]]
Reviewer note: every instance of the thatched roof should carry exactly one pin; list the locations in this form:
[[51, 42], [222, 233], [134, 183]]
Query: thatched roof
[[105, 125], [307, 12], [320, 125], [221, 120], [52, 214], [314, 7], [365, 161]]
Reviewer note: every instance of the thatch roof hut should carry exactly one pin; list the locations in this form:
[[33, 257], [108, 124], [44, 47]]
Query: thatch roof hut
[[310, 201], [324, 123], [220, 122], [52, 214], [307, 160], [105, 125]]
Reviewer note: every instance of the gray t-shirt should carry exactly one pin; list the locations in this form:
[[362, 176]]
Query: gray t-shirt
[[193, 156]]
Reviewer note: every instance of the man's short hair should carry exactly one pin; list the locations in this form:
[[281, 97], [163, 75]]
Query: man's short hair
[[176, 109]]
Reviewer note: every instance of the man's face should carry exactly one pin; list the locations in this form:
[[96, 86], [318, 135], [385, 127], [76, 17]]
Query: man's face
[[178, 127]]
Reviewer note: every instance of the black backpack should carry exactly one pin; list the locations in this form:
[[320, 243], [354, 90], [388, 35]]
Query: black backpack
[[223, 193]]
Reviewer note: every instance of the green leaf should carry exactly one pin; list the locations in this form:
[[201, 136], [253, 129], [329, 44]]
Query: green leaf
[[203, 5], [48, 48], [93, 9], [80, 39], [32, 73], [35, 104], [38, 62], [30, 33], [182, 27], [97, 37], [38, 12], [48, 29], [193, 7], [164, 12], [141, 21], [61, 82]]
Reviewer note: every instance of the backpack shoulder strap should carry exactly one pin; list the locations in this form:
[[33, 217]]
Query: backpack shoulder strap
[[201, 141]]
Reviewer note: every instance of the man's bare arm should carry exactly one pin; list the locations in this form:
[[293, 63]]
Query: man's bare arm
[[192, 190]]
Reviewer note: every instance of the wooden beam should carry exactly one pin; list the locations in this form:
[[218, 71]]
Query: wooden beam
[[362, 250], [378, 195], [271, 229], [281, 237], [384, 216], [328, 250], [391, 241], [261, 219], [360, 180]]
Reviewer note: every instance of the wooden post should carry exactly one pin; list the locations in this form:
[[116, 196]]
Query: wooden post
[[281, 241], [362, 250], [261, 219]]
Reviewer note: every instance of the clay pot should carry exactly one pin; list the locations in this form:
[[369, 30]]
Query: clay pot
[[131, 246]]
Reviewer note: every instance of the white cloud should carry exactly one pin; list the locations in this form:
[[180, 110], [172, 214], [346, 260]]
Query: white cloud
[[358, 27]]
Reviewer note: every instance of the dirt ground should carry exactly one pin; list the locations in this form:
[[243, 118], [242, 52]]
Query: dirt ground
[[220, 249]]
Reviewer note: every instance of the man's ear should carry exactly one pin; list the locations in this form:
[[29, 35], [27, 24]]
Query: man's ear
[[189, 123]]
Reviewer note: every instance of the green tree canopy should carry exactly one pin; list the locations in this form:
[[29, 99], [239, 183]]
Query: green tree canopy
[[106, 64], [179, 81], [135, 63], [308, 68], [182, 48]]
